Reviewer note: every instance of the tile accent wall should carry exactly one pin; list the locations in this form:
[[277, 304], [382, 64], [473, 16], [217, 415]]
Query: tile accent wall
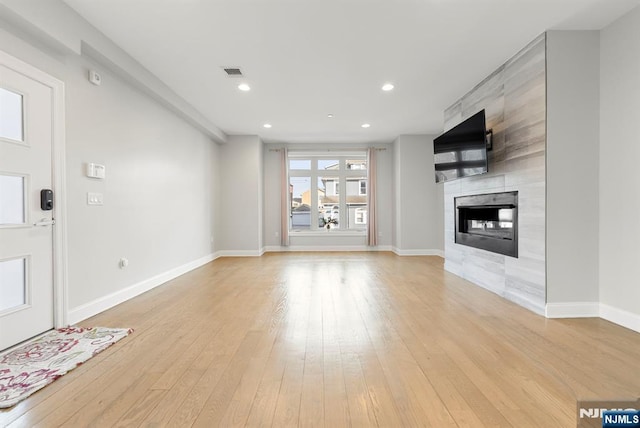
[[514, 98]]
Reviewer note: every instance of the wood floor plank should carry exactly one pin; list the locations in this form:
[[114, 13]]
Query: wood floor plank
[[220, 397], [335, 392], [241, 402], [268, 327], [171, 400], [312, 396], [287, 410], [336, 340], [385, 407], [353, 342], [263, 405]]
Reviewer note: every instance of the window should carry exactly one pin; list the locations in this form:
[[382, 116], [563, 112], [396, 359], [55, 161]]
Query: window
[[361, 216], [328, 164], [11, 111], [300, 203], [300, 164], [356, 200], [363, 187], [357, 164], [327, 189]]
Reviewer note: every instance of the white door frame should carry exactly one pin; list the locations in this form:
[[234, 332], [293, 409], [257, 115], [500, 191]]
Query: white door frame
[[60, 297]]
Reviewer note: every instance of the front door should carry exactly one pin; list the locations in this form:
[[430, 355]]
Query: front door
[[26, 229]]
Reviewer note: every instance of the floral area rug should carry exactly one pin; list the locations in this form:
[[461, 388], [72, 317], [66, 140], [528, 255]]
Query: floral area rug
[[33, 365]]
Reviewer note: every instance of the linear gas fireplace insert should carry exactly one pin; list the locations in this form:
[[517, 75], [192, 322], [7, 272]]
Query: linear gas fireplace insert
[[488, 222]]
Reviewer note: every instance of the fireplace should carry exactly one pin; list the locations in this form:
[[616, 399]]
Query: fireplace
[[488, 222]]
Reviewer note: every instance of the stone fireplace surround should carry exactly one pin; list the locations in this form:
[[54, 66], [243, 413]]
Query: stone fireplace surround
[[514, 99]]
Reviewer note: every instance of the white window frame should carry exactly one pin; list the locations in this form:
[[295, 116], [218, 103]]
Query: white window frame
[[342, 173]]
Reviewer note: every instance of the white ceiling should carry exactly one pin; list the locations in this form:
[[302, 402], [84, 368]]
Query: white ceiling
[[305, 59]]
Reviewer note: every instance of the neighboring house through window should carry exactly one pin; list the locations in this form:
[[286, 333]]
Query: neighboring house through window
[[363, 187]]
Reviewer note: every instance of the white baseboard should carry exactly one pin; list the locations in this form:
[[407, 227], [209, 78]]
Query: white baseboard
[[241, 253], [420, 252], [303, 248], [621, 317], [103, 303], [572, 310], [593, 310]]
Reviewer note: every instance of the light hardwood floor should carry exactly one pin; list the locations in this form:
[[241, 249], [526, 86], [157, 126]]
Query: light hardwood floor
[[336, 339]]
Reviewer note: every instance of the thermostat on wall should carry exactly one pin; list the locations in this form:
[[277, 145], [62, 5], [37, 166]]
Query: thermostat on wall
[[95, 170], [95, 78]]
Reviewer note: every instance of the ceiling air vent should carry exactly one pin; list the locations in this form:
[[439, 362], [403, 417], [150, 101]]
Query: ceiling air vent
[[233, 71]]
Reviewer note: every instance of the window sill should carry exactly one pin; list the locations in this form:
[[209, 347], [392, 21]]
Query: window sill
[[327, 233]]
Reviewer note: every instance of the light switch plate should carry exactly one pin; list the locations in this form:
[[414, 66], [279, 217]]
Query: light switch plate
[[95, 198]]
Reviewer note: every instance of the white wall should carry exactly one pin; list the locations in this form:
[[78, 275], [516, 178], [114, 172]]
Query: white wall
[[325, 241], [619, 169], [261, 196], [158, 199], [385, 191], [61, 29], [573, 73], [159, 188], [419, 217], [272, 192], [241, 181]]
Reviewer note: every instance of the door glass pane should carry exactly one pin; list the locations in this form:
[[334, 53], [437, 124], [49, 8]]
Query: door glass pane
[[12, 192], [13, 283], [11, 125]]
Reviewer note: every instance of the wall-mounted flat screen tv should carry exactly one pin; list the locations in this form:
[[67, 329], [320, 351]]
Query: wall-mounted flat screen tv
[[462, 150]]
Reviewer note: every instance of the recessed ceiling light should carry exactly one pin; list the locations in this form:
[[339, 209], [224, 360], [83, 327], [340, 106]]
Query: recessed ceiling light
[[244, 87], [387, 87], [330, 115], [365, 125], [267, 125]]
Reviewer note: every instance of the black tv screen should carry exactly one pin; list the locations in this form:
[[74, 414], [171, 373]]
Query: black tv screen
[[462, 151]]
